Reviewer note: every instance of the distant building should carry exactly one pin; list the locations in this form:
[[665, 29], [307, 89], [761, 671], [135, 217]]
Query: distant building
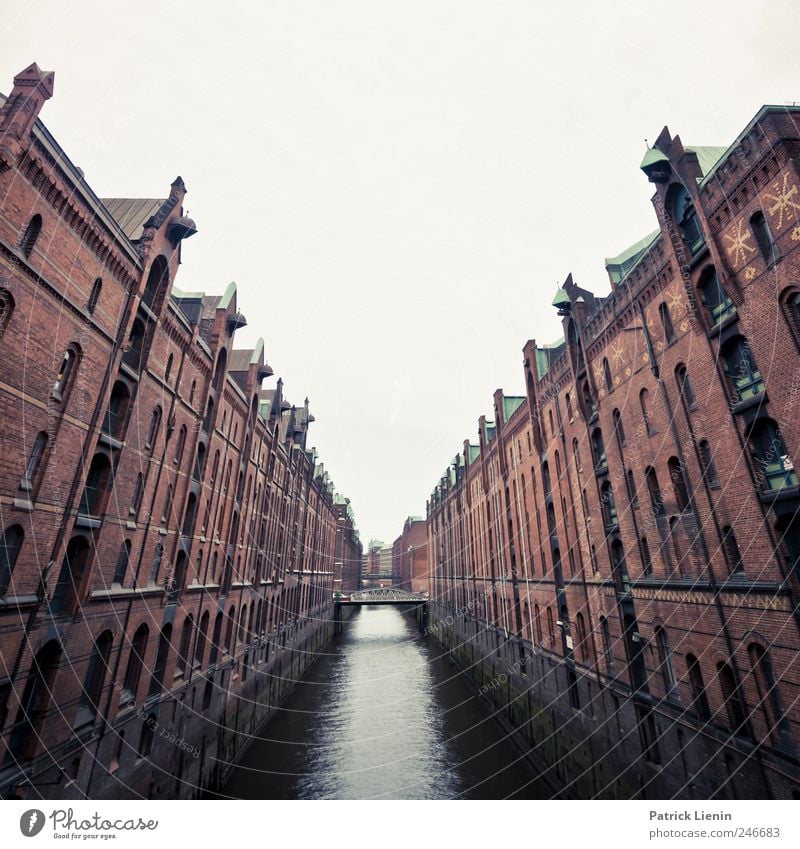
[[348, 556], [410, 556], [377, 565]]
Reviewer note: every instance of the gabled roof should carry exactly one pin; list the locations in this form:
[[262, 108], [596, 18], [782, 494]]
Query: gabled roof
[[511, 403], [545, 353], [132, 213]]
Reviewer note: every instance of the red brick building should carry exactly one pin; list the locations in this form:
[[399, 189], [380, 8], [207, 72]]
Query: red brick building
[[410, 556], [623, 541], [167, 556], [349, 551]]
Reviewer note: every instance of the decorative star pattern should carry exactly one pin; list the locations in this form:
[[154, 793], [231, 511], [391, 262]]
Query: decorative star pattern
[[676, 304], [684, 326], [738, 243], [796, 234], [782, 203], [598, 372], [750, 273], [617, 354]]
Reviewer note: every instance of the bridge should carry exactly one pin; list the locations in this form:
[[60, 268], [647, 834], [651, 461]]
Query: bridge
[[384, 595]]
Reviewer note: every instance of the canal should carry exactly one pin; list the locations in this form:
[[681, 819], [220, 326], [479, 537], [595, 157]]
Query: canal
[[382, 715]]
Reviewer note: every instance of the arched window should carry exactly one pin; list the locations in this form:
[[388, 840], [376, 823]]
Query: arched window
[[590, 409], [707, 463], [698, 688], [30, 236], [136, 659], [158, 556], [731, 549], [732, 699], [219, 371], [630, 484], [65, 371], [744, 378], [599, 450], [685, 217], [123, 559], [608, 654], [202, 636], [607, 375], [620, 566], [160, 665], [96, 673], [769, 696], [6, 309], [773, 466], [717, 303], [570, 413], [10, 546], [180, 445], [25, 735], [157, 284], [666, 323], [647, 560], [644, 401], [790, 303], [152, 431], [132, 355], [580, 638], [576, 459], [182, 660], [168, 369], [189, 516], [764, 240], [678, 483], [551, 630], [94, 295], [537, 621], [118, 403], [546, 479], [69, 588], [610, 518], [685, 387], [138, 492], [619, 430], [215, 639], [192, 390], [229, 631], [199, 462], [96, 487], [146, 737], [665, 663], [35, 460], [656, 499]]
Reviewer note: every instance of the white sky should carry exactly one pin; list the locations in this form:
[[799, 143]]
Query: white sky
[[397, 187]]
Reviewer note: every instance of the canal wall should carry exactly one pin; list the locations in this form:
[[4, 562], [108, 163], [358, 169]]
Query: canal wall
[[591, 739]]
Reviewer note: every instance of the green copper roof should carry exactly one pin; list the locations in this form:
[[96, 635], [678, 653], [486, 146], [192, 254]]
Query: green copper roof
[[474, 452], [634, 251], [543, 356], [560, 298], [491, 430], [651, 157], [707, 157], [511, 403]]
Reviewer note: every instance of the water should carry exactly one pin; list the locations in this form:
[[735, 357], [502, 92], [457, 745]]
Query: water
[[382, 715]]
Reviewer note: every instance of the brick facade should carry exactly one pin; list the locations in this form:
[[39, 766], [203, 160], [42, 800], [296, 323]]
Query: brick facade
[[168, 538], [624, 539], [410, 556]]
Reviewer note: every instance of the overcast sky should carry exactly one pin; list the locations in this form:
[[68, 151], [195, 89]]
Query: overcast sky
[[397, 187]]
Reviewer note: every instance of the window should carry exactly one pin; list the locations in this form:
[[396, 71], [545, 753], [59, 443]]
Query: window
[[666, 323], [665, 662], [6, 309], [791, 309], [132, 353], [229, 631], [94, 295], [590, 410], [580, 638], [64, 373], [685, 387], [138, 492], [122, 562], [146, 737], [699, 698], [717, 303], [182, 660], [571, 414], [202, 636], [152, 431], [160, 665], [618, 428], [644, 401], [685, 217], [608, 654], [191, 392], [180, 445], [678, 483], [656, 499], [35, 459], [136, 660], [69, 588], [731, 549], [707, 463], [610, 518], [32, 232], [118, 403], [732, 699], [157, 284], [96, 487], [551, 631], [764, 240], [10, 546], [620, 567], [199, 463], [96, 673], [647, 560], [607, 376], [744, 378], [537, 621], [158, 555], [769, 696], [773, 466], [599, 451], [630, 484]]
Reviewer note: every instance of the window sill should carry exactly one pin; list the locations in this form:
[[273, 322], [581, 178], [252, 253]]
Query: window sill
[[87, 521], [740, 407], [786, 493], [723, 325]]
